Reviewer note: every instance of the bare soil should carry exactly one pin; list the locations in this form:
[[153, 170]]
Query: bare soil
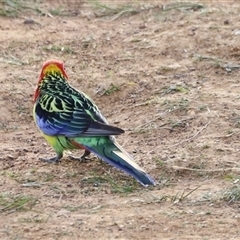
[[169, 76]]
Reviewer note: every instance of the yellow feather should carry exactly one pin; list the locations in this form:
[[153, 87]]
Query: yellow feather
[[52, 140], [51, 68]]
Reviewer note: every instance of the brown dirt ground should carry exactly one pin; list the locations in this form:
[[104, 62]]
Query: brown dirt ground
[[177, 77]]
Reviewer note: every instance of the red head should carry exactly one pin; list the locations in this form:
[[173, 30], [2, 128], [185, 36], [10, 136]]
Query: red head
[[49, 67]]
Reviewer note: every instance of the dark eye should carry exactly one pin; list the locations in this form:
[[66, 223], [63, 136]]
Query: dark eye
[[63, 67]]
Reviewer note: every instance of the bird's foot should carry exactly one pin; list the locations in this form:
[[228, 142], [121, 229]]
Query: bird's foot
[[56, 159], [82, 158], [100, 160]]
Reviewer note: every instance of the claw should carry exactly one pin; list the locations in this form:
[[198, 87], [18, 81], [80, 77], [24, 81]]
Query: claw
[[82, 158], [53, 159]]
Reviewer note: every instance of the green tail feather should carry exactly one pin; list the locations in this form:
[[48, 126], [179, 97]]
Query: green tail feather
[[115, 155]]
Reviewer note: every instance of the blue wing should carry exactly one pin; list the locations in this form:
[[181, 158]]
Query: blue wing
[[70, 117]]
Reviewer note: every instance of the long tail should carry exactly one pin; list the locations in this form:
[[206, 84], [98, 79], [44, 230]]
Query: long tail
[[115, 155]]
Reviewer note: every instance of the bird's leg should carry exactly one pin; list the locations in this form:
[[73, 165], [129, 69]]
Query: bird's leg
[[100, 160], [53, 159], [86, 153], [82, 158]]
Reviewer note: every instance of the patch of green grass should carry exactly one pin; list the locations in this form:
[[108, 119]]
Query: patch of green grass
[[143, 130], [232, 194], [75, 208], [180, 197], [111, 89], [214, 61], [185, 6], [35, 219], [128, 188], [159, 162], [214, 27], [58, 11], [205, 146], [57, 48], [150, 101], [110, 74], [175, 199], [87, 42], [163, 13], [181, 104], [178, 124], [33, 179], [12, 8], [174, 89], [48, 177], [230, 132], [71, 175], [116, 186], [105, 10], [87, 208], [19, 202], [229, 195], [202, 108], [13, 175], [95, 179], [230, 177], [164, 69]]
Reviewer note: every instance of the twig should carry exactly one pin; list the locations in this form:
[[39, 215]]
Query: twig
[[189, 139], [226, 136], [29, 83], [206, 170], [164, 124], [138, 105], [202, 57], [194, 6], [153, 120], [21, 93], [130, 11]]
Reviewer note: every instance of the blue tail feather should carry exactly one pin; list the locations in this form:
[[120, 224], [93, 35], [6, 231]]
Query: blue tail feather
[[121, 160]]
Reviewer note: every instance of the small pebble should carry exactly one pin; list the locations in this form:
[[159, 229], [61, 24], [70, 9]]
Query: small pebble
[[226, 22], [29, 21]]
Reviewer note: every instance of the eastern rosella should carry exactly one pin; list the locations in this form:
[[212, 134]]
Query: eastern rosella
[[69, 119]]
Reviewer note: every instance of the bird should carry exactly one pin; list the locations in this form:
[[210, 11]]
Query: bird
[[69, 119]]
